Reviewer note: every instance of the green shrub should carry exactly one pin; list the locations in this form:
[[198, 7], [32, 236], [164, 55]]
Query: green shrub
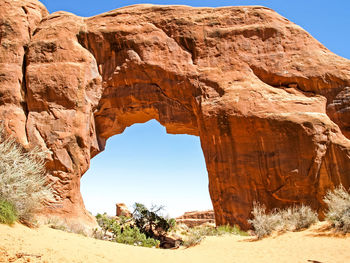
[[22, 181], [122, 231], [105, 222], [338, 213], [133, 236], [290, 219], [8, 214], [172, 223]]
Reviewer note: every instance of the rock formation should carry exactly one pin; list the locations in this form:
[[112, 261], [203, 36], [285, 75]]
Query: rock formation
[[196, 218], [269, 102], [122, 210]]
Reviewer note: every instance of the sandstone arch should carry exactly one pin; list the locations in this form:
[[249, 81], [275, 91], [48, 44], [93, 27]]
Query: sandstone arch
[[269, 102]]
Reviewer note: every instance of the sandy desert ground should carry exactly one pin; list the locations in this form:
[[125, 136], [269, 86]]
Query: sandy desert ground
[[22, 244]]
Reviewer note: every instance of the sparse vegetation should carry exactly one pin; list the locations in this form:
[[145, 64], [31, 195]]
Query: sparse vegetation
[[8, 214], [193, 236], [122, 230], [59, 224], [148, 228], [22, 181], [338, 213], [289, 219]]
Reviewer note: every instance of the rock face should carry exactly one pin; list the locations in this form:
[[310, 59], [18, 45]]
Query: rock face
[[196, 218], [122, 210], [269, 102]]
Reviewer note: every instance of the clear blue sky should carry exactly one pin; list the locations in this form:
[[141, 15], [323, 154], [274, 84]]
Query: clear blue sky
[[144, 164]]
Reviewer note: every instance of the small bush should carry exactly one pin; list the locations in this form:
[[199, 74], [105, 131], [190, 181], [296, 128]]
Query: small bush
[[193, 239], [8, 214], [172, 223], [290, 219], [338, 213], [264, 224], [22, 181], [298, 217], [105, 222]]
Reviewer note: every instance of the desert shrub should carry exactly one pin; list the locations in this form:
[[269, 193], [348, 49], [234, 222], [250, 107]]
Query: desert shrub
[[291, 219], [338, 213], [146, 227], [132, 236], [8, 214], [105, 222], [22, 177], [122, 231], [264, 224], [298, 217], [149, 221], [193, 238], [172, 223]]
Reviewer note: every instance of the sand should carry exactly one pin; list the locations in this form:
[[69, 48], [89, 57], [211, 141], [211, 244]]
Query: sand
[[22, 244]]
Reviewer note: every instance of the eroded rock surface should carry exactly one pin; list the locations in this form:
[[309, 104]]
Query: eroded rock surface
[[196, 218], [269, 102]]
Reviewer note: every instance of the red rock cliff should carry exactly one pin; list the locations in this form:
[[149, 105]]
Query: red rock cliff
[[269, 102]]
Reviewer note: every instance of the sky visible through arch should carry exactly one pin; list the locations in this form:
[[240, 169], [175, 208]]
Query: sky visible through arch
[[144, 164]]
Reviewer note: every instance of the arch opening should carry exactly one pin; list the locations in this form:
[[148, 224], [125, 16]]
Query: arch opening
[[145, 164]]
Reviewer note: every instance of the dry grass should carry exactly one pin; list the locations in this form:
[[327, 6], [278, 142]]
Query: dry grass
[[194, 236], [22, 182], [290, 219], [59, 224], [8, 213], [338, 213]]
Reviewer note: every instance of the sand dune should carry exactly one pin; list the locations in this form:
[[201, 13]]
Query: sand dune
[[21, 244]]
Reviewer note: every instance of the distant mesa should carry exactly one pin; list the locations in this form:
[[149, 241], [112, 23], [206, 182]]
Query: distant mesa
[[269, 102], [196, 218]]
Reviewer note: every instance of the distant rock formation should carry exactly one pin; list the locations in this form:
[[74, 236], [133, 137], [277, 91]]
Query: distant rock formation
[[122, 210], [268, 101], [196, 218]]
